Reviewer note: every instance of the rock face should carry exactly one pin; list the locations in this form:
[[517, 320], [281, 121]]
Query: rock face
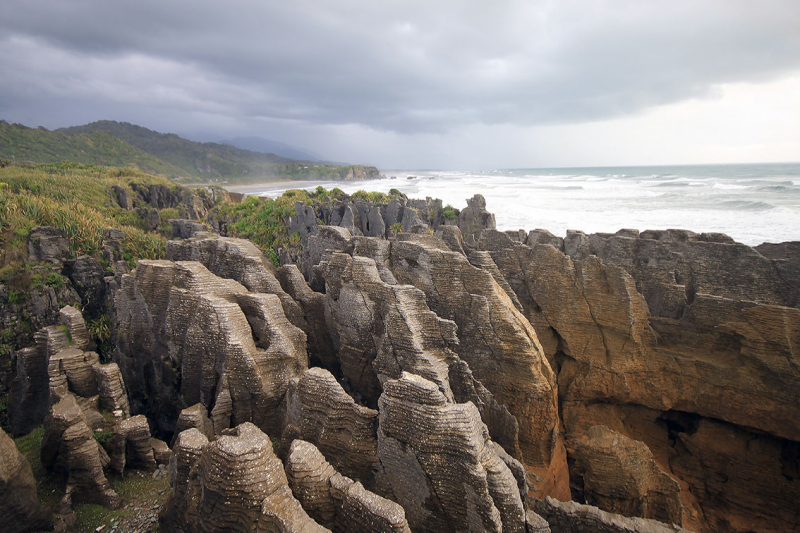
[[70, 447], [30, 391], [395, 331], [668, 332], [48, 244], [572, 517], [240, 260], [437, 462], [336, 501], [346, 433], [20, 509], [204, 339], [495, 340], [235, 483], [619, 474]]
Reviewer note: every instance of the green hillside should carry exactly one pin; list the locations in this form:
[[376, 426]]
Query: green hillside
[[38, 145], [221, 162]]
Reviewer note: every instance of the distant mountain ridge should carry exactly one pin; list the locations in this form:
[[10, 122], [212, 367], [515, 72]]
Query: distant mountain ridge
[[269, 146], [114, 143]]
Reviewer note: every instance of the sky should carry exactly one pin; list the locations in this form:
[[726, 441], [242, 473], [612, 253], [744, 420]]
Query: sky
[[448, 84]]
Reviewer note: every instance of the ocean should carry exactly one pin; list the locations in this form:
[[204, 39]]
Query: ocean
[[753, 203]]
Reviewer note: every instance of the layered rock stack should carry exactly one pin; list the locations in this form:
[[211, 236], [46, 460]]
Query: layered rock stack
[[462, 377], [235, 483]]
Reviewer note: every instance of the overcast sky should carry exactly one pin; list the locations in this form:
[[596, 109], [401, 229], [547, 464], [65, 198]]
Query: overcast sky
[[422, 84]]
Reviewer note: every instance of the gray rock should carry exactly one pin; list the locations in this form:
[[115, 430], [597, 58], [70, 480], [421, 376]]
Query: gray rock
[[48, 244]]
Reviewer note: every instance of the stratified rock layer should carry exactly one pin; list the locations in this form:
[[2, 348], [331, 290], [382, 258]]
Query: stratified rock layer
[[345, 432], [669, 332], [619, 474], [69, 446], [437, 462], [235, 483], [336, 501], [188, 336]]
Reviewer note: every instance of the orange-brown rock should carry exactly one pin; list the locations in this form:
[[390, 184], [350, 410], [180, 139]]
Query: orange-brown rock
[[619, 474]]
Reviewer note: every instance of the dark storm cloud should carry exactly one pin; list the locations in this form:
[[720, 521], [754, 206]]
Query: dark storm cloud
[[407, 67]]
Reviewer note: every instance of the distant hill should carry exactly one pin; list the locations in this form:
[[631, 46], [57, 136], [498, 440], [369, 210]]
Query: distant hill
[[206, 160], [268, 146], [123, 144], [38, 145]]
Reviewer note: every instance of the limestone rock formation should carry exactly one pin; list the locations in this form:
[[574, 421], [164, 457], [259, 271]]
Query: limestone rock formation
[[346, 433], [676, 329], [30, 396], [495, 340], [321, 351], [240, 260], [182, 228], [71, 369], [20, 509], [573, 517], [196, 417], [204, 339], [130, 445], [336, 501], [235, 483], [47, 244], [111, 389], [619, 475], [475, 217], [438, 464], [72, 319], [69, 447]]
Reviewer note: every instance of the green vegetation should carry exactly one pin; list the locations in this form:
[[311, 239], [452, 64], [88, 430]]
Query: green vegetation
[[75, 198], [135, 488], [100, 332], [396, 228], [213, 162], [449, 212], [32, 145], [103, 436]]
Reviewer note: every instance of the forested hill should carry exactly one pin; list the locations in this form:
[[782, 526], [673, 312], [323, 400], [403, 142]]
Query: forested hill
[[38, 145], [123, 144]]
